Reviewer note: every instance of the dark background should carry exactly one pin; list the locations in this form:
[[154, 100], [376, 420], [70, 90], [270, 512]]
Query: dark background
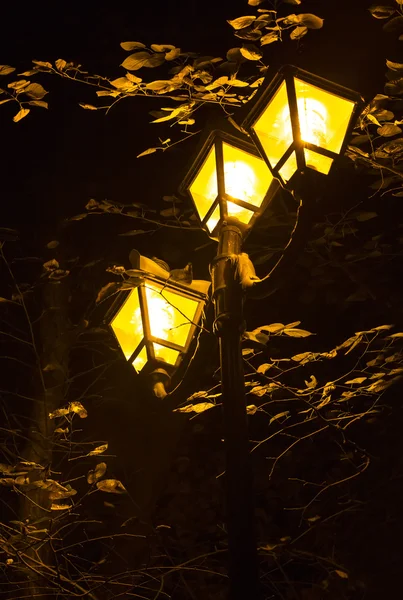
[[54, 161]]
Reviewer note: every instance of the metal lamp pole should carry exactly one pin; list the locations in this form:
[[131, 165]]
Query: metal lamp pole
[[228, 326]]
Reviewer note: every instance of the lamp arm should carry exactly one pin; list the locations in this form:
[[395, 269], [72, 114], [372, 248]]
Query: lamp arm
[[271, 282]]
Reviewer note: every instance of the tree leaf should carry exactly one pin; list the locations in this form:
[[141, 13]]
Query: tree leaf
[[42, 63], [142, 59], [40, 103], [297, 332], [55, 506], [395, 25], [394, 66], [218, 83], [242, 22], [77, 408], [255, 2], [298, 33], [21, 114], [97, 473], [279, 416], [6, 69], [35, 91], [251, 409], [88, 106], [382, 12], [6, 100], [60, 64], [98, 450], [341, 574], [146, 152], [269, 38], [251, 52], [128, 46], [355, 381], [238, 83], [106, 291], [112, 486], [388, 130]]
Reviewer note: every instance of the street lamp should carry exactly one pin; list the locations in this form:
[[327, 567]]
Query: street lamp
[[155, 321], [301, 120], [299, 124], [230, 186]]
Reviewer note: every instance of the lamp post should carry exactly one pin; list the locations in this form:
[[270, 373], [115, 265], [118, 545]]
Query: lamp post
[[299, 124], [231, 186]]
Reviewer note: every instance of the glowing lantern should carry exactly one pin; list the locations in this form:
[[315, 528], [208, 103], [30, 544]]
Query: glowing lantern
[[155, 321], [301, 120], [229, 183]]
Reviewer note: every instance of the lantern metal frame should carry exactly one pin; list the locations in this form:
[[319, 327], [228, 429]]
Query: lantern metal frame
[[145, 271], [269, 88], [216, 138]]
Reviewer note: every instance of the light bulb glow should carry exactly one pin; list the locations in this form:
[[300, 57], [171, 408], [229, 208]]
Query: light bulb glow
[[161, 315], [312, 122], [240, 181]]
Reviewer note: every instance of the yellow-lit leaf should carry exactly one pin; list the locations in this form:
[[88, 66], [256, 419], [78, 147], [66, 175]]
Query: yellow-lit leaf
[[341, 574], [97, 473], [279, 416], [298, 33], [112, 486], [88, 106], [98, 450], [128, 46], [242, 22], [78, 408], [21, 114], [356, 381]]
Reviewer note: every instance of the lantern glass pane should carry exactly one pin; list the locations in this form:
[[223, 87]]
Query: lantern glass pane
[[247, 177], [204, 188], [238, 212], [273, 127], [127, 324], [168, 355], [213, 220], [171, 315], [289, 167], [318, 162], [323, 116], [140, 359]]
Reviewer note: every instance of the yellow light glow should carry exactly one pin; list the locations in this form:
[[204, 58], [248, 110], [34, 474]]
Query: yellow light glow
[[128, 336], [312, 121], [204, 188], [318, 162], [140, 359], [273, 127], [324, 117], [246, 177], [168, 355], [171, 318]]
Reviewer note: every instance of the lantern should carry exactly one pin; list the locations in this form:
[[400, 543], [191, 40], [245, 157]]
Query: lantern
[[154, 322], [302, 120], [229, 183]]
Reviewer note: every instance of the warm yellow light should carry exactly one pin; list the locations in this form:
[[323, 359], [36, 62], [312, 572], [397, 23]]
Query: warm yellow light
[[171, 317], [312, 121], [204, 188], [246, 178], [323, 119], [129, 333]]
